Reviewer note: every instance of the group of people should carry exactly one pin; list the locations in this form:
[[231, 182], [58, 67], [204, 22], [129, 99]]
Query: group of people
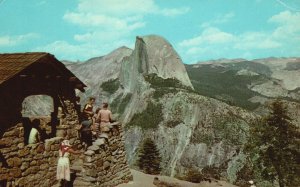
[[91, 124]]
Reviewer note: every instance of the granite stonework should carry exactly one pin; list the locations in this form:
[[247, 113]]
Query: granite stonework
[[102, 164]]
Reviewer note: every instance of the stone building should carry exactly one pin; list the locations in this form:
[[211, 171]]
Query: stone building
[[23, 164]]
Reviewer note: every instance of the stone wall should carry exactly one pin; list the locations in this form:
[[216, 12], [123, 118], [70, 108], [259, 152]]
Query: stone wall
[[27, 165], [103, 164]]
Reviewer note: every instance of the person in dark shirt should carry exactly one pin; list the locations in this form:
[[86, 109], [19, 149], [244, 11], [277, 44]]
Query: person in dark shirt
[[87, 122], [87, 112]]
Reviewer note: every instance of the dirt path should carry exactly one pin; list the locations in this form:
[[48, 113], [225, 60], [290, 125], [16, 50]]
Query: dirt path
[[144, 180]]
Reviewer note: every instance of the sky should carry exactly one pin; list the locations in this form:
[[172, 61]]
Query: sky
[[199, 30]]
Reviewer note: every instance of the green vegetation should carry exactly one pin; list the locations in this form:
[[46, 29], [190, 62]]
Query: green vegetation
[[251, 66], [115, 103], [158, 82], [206, 174], [274, 147], [164, 86], [111, 86], [119, 104], [149, 158], [173, 123], [292, 66], [193, 175], [149, 118], [231, 131], [222, 83]]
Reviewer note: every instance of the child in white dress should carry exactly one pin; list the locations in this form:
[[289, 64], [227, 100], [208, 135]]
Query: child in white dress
[[63, 165]]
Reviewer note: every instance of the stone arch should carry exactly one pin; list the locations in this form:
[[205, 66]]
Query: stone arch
[[38, 109]]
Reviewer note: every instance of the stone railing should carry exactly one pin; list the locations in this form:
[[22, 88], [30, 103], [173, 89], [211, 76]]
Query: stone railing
[[104, 162]]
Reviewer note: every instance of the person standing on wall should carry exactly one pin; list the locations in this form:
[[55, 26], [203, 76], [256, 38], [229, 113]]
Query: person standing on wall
[[87, 122], [104, 117]]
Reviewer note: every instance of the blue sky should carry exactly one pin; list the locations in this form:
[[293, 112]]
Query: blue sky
[[199, 30]]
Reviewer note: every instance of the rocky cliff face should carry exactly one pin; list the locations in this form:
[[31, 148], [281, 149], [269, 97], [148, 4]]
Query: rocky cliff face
[[153, 55], [98, 70], [191, 131]]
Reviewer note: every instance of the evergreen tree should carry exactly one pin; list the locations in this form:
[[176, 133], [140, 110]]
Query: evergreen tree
[[274, 147], [149, 158]]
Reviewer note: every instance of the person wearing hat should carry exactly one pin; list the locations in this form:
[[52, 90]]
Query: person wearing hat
[[63, 164]]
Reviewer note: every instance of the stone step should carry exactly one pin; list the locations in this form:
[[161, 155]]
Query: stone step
[[81, 183], [99, 142], [104, 135]]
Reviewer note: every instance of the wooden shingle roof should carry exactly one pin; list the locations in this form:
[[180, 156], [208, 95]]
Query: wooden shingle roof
[[13, 63]]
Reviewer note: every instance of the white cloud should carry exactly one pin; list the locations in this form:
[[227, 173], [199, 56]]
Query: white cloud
[[288, 24], [221, 19], [174, 11], [284, 39], [117, 14], [104, 24], [117, 7], [209, 35], [128, 7], [8, 41], [255, 40], [66, 51], [103, 21]]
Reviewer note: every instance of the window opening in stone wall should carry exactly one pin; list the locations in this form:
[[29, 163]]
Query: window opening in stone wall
[[37, 119]]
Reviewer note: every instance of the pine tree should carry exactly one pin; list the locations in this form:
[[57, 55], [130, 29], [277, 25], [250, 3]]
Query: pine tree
[[274, 146], [149, 158]]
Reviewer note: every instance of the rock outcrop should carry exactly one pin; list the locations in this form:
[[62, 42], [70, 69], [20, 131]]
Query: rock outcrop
[[98, 70], [191, 131], [152, 55]]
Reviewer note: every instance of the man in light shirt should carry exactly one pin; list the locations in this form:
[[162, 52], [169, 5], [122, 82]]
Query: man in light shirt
[[104, 117]]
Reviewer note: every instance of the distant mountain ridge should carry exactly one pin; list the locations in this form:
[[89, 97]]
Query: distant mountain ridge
[[244, 83]]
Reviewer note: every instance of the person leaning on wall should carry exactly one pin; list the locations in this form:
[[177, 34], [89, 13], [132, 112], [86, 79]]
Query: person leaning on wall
[[34, 135], [104, 117]]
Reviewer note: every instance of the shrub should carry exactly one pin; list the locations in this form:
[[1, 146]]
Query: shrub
[[274, 145], [149, 118], [119, 104], [111, 86], [149, 158], [164, 86], [194, 176]]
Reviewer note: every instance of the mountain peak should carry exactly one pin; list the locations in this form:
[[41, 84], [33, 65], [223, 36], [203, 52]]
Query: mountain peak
[[156, 55]]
